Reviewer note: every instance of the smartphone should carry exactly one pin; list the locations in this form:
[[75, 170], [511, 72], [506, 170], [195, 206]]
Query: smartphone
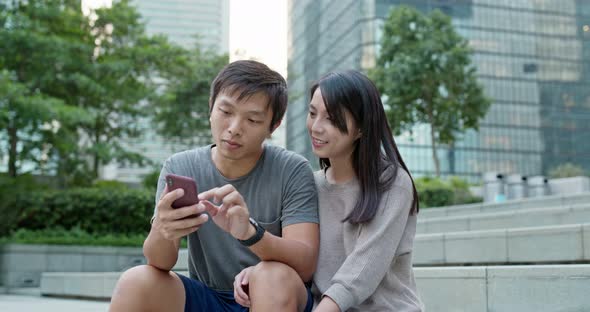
[[189, 186]]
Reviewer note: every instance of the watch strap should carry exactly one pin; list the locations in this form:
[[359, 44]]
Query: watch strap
[[257, 235]]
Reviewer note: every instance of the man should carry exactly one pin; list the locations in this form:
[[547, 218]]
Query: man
[[262, 203]]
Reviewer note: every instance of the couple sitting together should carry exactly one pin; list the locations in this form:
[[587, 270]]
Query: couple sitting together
[[270, 234]]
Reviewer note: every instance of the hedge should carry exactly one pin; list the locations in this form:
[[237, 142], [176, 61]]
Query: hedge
[[93, 210], [435, 192]]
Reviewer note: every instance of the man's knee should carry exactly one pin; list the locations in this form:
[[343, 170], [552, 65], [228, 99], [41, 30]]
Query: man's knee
[[273, 274], [138, 276], [139, 285], [282, 280]]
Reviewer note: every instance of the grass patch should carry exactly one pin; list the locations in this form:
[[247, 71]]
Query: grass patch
[[75, 237], [72, 237]]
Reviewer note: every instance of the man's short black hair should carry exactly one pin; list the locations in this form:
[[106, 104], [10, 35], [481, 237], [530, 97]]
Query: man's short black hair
[[247, 77]]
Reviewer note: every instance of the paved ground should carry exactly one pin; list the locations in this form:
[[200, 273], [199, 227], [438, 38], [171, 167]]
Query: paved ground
[[31, 302]]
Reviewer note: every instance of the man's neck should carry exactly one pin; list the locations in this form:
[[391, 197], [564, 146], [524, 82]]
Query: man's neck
[[231, 168]]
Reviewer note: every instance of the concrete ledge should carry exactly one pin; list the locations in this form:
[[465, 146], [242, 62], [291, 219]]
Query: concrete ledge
[[526, 203], [572, 185], [565, 288], [21, 265], [429, 249], [452, 289], [556, 243], [505, 288], [493, 288], [547, 244], [92, 285], [483, 247], [97, 285], [83, 285], [506, 219]]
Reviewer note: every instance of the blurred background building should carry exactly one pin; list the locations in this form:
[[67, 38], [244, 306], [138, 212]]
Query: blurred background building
[[182, 21], [532, 58]]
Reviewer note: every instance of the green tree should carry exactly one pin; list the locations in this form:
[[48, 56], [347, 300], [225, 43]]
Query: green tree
[[182, 109], [124, 69], [76, 88], [42, 46], [425, 74]]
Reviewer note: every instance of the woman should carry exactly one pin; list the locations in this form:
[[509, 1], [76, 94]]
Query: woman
[[367, 201]]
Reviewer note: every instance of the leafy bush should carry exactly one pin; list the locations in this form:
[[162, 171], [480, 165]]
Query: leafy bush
[[435, 192], [93, 210], [566, 170], [9, 209], [462, 193], [109, 184]]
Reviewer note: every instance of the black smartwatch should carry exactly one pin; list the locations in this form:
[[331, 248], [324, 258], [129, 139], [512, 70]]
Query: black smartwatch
[[256, 237]]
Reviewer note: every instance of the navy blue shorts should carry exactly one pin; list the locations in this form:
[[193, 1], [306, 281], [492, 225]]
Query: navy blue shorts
[[199, 297]]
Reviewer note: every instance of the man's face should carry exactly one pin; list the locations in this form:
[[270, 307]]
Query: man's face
[[240, 127]]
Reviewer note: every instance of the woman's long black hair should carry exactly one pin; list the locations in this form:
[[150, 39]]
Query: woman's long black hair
[[375, 150]]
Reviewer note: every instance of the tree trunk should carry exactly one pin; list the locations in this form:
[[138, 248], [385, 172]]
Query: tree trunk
[[13, 140], [96, 159], [95, 163], [433, 139]]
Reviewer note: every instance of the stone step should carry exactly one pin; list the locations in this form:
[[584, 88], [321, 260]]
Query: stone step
[[88, 285], [21, 265], [506, 219], [474, 289], [527, 203], [492, 246], [546, 244], [94, 285], [531, 288]]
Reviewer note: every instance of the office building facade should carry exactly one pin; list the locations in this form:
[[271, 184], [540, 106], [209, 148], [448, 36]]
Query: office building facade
[[532, 59], [183, 21]]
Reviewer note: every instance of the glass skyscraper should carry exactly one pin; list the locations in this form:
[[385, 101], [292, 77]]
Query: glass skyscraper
[[181, 20], [532, 58]]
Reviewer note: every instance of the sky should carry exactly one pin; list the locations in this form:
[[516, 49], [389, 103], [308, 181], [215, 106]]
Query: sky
[[258, 29]]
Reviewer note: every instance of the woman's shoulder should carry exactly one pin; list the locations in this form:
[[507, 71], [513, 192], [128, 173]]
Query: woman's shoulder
[[401, 178]]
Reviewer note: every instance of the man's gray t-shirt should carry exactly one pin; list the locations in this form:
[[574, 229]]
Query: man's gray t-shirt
[[279, 191]]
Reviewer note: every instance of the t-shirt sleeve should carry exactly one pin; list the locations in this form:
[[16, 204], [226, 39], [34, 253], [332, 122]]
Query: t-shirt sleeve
[[300, 197]]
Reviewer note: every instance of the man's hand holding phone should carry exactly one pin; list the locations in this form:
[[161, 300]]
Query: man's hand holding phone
[[175, 223]]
